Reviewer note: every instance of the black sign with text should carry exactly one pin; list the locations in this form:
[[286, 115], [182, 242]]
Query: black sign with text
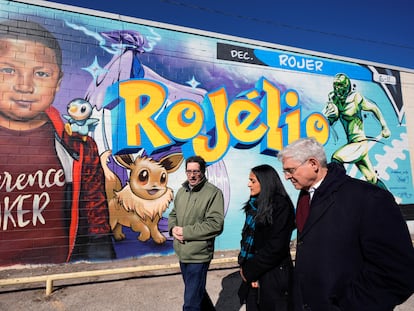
[[237, 54]]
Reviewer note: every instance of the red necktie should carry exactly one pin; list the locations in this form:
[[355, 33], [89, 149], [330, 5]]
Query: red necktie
[[302, 210]]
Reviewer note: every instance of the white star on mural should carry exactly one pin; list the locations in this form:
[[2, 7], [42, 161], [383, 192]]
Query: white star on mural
[[94, 69], [193, 83]]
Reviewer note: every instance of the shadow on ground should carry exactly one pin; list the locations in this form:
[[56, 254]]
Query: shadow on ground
[[228, 299]]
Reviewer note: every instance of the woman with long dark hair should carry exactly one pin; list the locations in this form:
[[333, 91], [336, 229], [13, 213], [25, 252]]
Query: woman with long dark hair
[[264, 258]]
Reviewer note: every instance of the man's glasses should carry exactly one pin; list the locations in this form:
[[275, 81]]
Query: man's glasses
[[194, 172], [291, 171]]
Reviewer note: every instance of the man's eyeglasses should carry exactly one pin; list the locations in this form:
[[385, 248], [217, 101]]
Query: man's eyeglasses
[[194, 172], [291, 171]]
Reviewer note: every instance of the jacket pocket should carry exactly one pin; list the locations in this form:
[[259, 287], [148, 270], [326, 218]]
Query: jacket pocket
[[284, 275], [279, 279], [195, 251]]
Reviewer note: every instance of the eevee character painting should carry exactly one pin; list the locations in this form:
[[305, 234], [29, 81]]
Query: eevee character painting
[[142, 201]]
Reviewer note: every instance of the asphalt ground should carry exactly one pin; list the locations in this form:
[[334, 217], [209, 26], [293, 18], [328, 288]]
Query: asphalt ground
[[161, 289]]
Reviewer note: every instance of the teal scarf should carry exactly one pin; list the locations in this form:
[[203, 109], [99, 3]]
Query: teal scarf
[[247, 241]]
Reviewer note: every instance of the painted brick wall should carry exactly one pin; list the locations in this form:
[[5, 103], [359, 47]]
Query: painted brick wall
[[155, 95]]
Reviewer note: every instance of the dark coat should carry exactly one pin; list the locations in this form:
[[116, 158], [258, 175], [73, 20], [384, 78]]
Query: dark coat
[[272, 263], [355, 252]]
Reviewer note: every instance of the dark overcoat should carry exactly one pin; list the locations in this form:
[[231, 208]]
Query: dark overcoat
[[355, 252], [271, 264]]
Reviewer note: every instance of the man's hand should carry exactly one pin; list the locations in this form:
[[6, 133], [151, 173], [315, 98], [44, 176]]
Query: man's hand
[[178, 233]]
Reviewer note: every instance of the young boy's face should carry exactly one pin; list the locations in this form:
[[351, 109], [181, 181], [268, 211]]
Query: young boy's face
[[29, 80]]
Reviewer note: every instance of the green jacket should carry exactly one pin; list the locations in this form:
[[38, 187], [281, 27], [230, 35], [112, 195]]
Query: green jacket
[[200, 211]]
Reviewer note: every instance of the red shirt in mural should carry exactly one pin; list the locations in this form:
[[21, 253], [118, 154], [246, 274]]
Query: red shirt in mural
[[32, 198]]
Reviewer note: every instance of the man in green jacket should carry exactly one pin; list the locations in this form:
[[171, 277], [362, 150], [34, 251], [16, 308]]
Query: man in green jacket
[[195, 220]]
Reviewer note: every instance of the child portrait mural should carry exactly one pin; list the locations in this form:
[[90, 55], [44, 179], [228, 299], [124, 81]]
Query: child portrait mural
[[54, 206], [97, 115]]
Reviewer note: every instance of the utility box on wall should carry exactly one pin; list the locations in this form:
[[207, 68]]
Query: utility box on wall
[[88, 96]]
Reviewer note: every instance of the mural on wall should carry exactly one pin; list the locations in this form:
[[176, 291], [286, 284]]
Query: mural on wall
[[347, 105], [97, 117]]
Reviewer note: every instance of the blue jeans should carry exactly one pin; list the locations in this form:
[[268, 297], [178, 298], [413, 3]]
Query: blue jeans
[[195, 294]]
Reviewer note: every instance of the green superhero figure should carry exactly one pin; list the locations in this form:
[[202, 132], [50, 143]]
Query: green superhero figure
[[346, 105]]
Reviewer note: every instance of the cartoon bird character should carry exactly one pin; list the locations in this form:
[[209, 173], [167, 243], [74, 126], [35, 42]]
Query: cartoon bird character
[[142, 201], [79, 118]]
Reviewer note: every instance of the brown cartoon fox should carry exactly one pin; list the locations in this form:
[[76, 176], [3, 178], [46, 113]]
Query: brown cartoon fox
[[142, 201]]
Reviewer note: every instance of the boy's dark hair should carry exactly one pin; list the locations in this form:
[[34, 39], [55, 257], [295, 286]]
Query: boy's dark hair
[[31, 31], [198, 160]]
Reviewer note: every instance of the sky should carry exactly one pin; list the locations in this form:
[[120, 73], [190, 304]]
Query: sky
[[369, 30]]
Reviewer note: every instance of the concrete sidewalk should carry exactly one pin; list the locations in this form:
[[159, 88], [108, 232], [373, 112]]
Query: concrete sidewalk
[[157, 290]]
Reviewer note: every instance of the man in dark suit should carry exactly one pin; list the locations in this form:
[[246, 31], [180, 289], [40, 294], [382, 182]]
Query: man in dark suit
[[354, 250]]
